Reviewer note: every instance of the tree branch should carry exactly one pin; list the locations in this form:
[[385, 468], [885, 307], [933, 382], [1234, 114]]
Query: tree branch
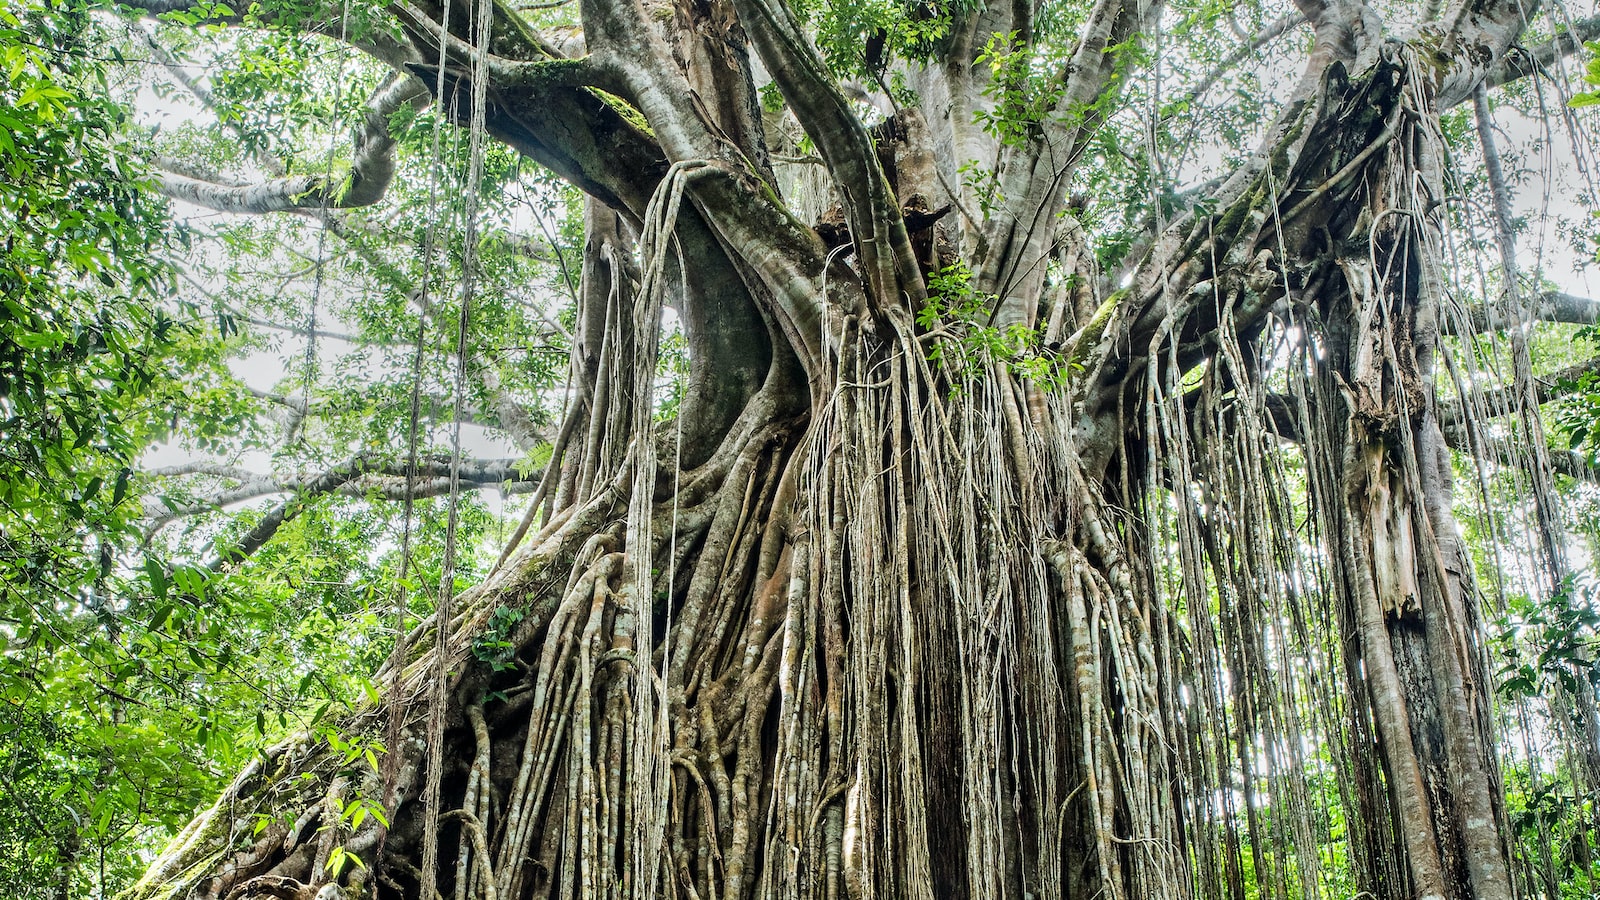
[[362, 476], [297, 330], [1550, 306], [512, 416], [371, 169], [262, 531], [1520, 62], [340, 225], [1273, 30], [1283, 420], [355, 478], [883, 247], [1571, 463], [1473, 37], [1502, 401], [206, 467], [376, 42], [1032, 177]]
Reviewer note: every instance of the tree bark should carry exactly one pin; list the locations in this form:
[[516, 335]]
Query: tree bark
[[860, 623]]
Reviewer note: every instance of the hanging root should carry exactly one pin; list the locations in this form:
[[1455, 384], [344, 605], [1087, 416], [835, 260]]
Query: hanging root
[[912, 645]]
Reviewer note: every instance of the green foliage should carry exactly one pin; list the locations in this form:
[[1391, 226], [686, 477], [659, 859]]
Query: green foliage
[[352, 810], [88, 339], [1548, 654], [133, 676], [1553, 826], [1550, 644], [1023, 90], [1026, 85], [984, 183], [859, 37], [493, 644], [1591, 75], [82, 337], [966, 340]]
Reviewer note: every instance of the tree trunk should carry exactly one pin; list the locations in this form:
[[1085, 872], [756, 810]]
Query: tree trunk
[[1014, 623]]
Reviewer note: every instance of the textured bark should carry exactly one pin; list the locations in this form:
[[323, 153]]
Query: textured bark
[[864, 624]]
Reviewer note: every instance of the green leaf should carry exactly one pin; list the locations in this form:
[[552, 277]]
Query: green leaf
[[158, 578]]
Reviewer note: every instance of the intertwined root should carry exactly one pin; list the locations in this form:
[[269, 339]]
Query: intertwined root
[[829, 683], [910, 644]]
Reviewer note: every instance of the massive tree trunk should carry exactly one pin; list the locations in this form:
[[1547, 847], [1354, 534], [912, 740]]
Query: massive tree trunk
[[1022, 618]]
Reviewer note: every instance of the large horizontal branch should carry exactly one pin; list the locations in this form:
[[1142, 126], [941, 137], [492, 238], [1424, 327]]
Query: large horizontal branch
[[264, 530], [1571, 463], [425, 481], [323, 20], [535, 105], [298, 330], [203, 467], [575, 133], [1501, 401], [1520, 62], [540, 101], [1283, 420], [1550, 306], [359, 237], [510, 414], [362, 476], [371, 169], [340, 225], [1466, 435]]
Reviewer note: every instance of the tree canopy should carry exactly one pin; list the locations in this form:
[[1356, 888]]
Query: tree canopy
[[829, 448]]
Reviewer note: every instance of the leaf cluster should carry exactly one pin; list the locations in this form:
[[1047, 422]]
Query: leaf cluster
[[965, 338]]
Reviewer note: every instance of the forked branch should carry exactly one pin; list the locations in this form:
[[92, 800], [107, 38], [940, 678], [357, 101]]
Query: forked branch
[[812, 93]]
